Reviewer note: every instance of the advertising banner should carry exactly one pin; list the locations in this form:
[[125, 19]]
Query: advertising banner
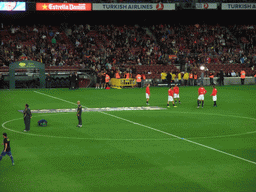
[[206, 6], [238, 6], [12, 6], [63, 6], [133, 6]]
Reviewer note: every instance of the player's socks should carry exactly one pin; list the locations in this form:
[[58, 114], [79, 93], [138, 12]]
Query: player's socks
[[198, 103], [173, 104], [202, 103], [1, 158], [12, 160]]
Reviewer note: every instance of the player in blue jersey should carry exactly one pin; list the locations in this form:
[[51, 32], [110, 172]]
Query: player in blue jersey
[[7, 148]]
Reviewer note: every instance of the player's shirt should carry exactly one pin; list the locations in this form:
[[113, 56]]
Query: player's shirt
[[176, 90], [214, 92], [79, 110], [147, 90], [7, 140], [202, 91], [170, 92]]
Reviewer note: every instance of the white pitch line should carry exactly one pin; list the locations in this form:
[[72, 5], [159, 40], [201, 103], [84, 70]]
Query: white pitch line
[[111, 139], [57, 98], [205, 146]]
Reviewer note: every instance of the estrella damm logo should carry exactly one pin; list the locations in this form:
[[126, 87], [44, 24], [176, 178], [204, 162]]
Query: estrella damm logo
[[22, 64], [8, 139]]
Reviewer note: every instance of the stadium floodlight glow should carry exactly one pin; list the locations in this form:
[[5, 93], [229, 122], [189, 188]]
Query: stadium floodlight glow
[[12, 6], [202, 67]]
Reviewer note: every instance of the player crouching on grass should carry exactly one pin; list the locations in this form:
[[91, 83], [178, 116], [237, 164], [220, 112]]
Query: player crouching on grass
[[201, 93], [214, 96], [176, 93], [170, 97]]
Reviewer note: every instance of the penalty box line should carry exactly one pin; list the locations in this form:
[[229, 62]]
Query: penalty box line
[[196, 143]]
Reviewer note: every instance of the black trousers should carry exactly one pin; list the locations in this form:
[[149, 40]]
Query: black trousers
[[139, 84], [221, 81], [77, 85], [211, 81], [185, 82], [79, 120], [242, 81], [27, 123]]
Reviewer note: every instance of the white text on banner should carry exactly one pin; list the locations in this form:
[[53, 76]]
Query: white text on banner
[[133, 6], [238, 6]]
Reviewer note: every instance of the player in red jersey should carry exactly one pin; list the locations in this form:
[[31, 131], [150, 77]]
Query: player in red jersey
[[201, 93], [170, 97], [176, 91], [147, 93], [214, 96]]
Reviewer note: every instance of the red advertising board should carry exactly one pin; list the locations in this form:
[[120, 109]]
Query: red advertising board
[[63, 6]]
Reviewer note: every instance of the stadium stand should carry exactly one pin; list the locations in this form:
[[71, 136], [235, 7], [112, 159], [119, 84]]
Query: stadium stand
[[150, 49]]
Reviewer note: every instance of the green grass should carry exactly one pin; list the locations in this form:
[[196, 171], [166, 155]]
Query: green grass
[[131, 150]]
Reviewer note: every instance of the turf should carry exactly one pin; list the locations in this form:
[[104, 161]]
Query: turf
[[131, 150]]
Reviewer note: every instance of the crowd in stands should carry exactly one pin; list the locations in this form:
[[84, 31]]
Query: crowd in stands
[[110, 47]]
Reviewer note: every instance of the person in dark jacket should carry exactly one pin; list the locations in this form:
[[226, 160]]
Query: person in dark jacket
[[27, 115], [221, 77]]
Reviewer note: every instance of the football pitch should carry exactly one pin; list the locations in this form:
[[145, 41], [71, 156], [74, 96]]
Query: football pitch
[[168, 149]]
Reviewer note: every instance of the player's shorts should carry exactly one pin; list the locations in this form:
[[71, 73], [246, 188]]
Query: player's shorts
[[201, 97], [170, 98], [147, 96], [214, 98], [6, 153], [176, 95]]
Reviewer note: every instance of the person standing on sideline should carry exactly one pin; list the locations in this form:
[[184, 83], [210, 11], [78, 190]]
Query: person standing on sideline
[[202, 78], [201, 93], [107, 79], [163, 77], [191, 79], [117, 75], [27, 116], [195, 79], [242, 75], [143, 76], [176, 91], [185, 78], [48, 81], [221, 77], [7, 148], [76, 80], [211, 78], [170, 97], [179, 78], [169, 78], [138, 79], [79, 114], [255, 77], [214, 96], [98, 81], [103, 76], [147, 94]]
